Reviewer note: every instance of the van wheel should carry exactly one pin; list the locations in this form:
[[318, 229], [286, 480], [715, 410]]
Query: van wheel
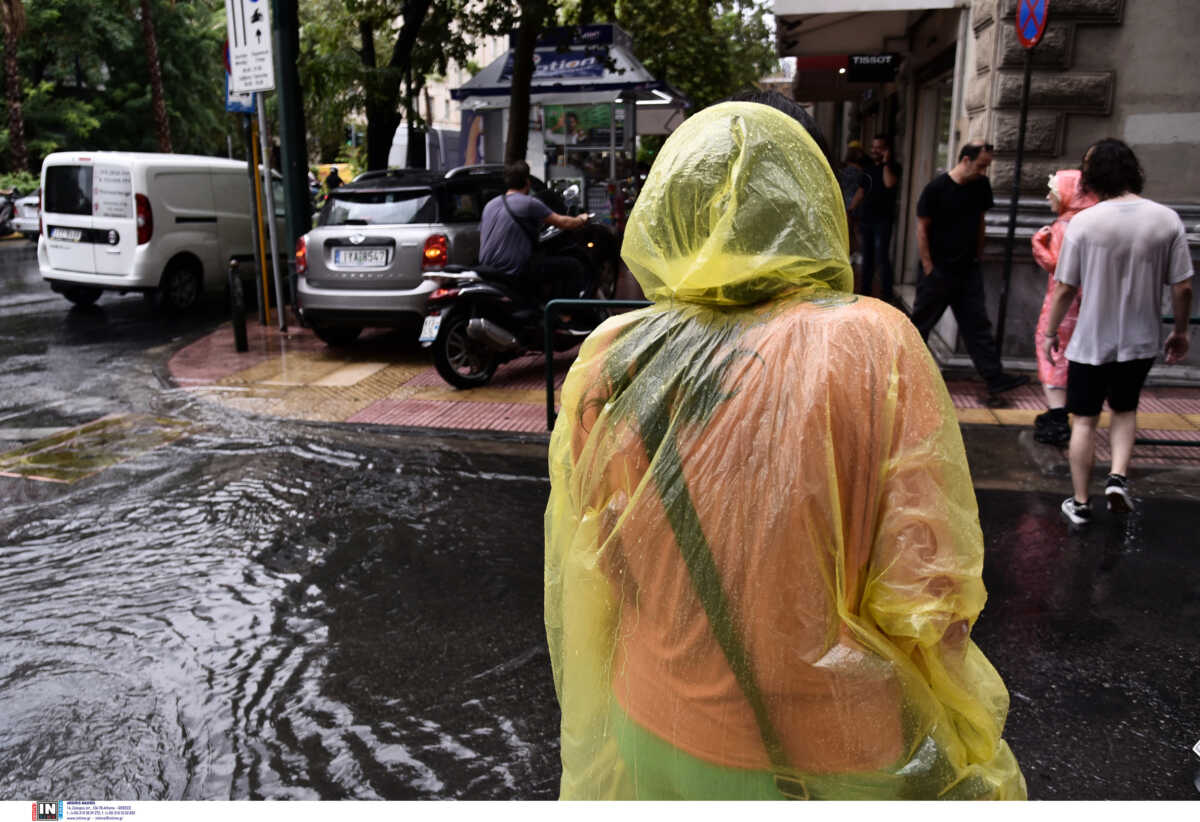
[[180, 287], [336, 336], [81, 294]]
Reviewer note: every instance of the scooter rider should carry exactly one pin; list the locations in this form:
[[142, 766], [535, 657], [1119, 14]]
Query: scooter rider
[[509, 230]]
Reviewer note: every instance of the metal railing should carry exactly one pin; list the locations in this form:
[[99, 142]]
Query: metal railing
[[551, 322]]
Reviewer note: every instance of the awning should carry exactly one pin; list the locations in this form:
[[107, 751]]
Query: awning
[[811, 27], [579, 71]]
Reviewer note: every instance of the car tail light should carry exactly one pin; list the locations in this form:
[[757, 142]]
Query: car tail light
[[437, 252], [301, 256], [442, 293], [145, 219]]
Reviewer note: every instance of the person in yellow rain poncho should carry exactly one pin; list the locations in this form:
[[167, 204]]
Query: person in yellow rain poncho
[[763, 552]]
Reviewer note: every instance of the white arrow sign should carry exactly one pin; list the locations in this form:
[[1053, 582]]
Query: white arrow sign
[[251, 57]]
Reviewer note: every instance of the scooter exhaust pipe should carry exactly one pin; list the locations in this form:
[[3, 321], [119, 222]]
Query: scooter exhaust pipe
[[493, 336]]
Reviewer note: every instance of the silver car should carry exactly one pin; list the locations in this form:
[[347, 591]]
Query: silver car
[[25, 215], [375, 237]]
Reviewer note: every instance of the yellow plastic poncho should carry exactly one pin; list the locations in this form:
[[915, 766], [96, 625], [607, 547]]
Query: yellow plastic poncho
[[763, 552]]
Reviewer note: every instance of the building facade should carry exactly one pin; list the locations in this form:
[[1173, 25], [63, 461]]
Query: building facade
[[1105, 68]]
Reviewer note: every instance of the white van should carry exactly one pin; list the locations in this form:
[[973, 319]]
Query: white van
[[160, 224]]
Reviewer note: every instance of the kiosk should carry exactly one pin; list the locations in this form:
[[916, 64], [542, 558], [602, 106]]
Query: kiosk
[[588, 97]]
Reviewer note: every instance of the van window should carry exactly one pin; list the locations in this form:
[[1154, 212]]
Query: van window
[[379, 207], [68, 190]]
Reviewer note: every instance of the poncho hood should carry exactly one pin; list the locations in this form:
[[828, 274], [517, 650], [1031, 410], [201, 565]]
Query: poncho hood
[[739, 207], [1071, 194]]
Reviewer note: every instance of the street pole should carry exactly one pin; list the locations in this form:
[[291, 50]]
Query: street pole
[[259, 259], [1012, 205], [269, 199]]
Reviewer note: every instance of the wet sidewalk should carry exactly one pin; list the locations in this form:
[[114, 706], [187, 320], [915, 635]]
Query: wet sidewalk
[[385, 378]]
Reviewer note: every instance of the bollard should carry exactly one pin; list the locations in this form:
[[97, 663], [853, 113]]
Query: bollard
[[237, 308]]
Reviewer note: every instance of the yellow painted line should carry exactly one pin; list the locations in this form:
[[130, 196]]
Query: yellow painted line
[[351, 374], [975, 415], [530, 396], [1194, 419], [1163, 422], [1015, 416]]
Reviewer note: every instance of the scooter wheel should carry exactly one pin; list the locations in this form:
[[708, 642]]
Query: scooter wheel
[[461, 361]]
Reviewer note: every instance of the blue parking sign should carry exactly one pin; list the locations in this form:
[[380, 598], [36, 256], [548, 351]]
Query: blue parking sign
[[239, 101]]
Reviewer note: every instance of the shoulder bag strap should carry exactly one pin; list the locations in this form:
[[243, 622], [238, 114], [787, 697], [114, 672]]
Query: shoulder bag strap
[[530, 233]]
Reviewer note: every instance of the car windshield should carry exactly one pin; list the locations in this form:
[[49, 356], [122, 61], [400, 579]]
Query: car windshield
[[380, 207]]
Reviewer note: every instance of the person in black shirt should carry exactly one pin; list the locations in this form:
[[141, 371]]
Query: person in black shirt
[[875, 215], [950, 228]]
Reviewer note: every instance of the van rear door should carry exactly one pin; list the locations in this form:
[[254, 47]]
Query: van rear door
[[114, 219], [67, 191]]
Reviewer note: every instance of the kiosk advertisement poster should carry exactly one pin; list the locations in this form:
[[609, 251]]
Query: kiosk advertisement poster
[[586, 125]]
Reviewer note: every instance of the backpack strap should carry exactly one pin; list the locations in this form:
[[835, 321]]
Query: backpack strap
[[529, 232]]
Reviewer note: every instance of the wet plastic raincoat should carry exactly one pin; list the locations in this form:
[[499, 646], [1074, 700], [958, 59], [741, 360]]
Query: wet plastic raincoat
[[763, 552], [1046, 244]]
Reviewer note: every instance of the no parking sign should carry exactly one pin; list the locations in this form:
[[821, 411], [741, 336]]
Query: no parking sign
[[1031, 21]]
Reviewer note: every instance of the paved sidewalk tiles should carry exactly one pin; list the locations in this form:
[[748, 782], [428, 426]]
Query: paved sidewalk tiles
[[385, 379]]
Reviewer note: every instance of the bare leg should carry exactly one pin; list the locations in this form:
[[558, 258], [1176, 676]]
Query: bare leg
[[1082, 454], [1055, 397], [1122, 432]]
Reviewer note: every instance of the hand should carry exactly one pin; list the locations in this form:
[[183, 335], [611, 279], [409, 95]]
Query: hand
[[1176, 348], [1050, 347], [927, 267], [887, 156]]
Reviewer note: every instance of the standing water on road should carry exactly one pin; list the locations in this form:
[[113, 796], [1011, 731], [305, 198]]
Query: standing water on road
[[279, 612]]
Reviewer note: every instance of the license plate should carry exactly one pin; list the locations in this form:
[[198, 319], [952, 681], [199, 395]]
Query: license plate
[[429, 328], [360, 256], [73, 235]]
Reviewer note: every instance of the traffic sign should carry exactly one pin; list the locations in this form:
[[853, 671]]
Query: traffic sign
[[1031, 21], [251, 56], [241, 102]]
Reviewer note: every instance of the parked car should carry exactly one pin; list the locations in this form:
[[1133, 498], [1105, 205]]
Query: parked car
[[26, 215], [363, 264], [162, 224]]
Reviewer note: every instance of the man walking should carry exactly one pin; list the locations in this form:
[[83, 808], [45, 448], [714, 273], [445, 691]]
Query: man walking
[[950, 229], [1120, 252], [875, 214]]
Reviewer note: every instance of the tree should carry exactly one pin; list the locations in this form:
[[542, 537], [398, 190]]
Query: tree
[[13, 13], [161, 124], [533, 19], [373, 56], [84, 80]]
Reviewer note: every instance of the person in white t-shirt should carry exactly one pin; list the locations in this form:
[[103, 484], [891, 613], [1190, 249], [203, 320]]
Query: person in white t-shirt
[[1121, 252]]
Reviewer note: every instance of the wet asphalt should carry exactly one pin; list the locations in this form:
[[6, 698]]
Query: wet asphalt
[[274, 609]]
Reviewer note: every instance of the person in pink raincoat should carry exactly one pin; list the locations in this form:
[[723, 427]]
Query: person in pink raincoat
[[1067, 198]]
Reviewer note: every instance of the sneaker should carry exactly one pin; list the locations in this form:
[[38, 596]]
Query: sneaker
[[1006, 382], [1080, 513], [1116, 491]]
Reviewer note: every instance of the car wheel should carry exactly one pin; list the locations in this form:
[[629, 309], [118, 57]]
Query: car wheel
[[461, 361], [336, 335], [179, 290], [81, 294]]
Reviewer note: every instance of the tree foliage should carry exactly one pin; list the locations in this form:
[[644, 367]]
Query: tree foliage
[[708, 49], [85, 81]]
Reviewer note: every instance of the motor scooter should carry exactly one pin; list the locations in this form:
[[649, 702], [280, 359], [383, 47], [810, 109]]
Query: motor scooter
[[480, 317]]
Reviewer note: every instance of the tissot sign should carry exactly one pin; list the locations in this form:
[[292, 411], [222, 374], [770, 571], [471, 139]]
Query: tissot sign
[[872, 68]]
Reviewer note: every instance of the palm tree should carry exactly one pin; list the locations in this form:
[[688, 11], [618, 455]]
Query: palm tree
[[158, 99], [12, 13]]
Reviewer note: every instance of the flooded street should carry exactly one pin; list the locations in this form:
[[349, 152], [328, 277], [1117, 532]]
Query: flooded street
[[260, 609], [252, 607]]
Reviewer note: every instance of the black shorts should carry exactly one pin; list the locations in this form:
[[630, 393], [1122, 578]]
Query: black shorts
[[1088, 386]]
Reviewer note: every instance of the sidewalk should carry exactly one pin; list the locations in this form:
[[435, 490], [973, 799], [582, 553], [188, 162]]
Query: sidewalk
[[386, 379]]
